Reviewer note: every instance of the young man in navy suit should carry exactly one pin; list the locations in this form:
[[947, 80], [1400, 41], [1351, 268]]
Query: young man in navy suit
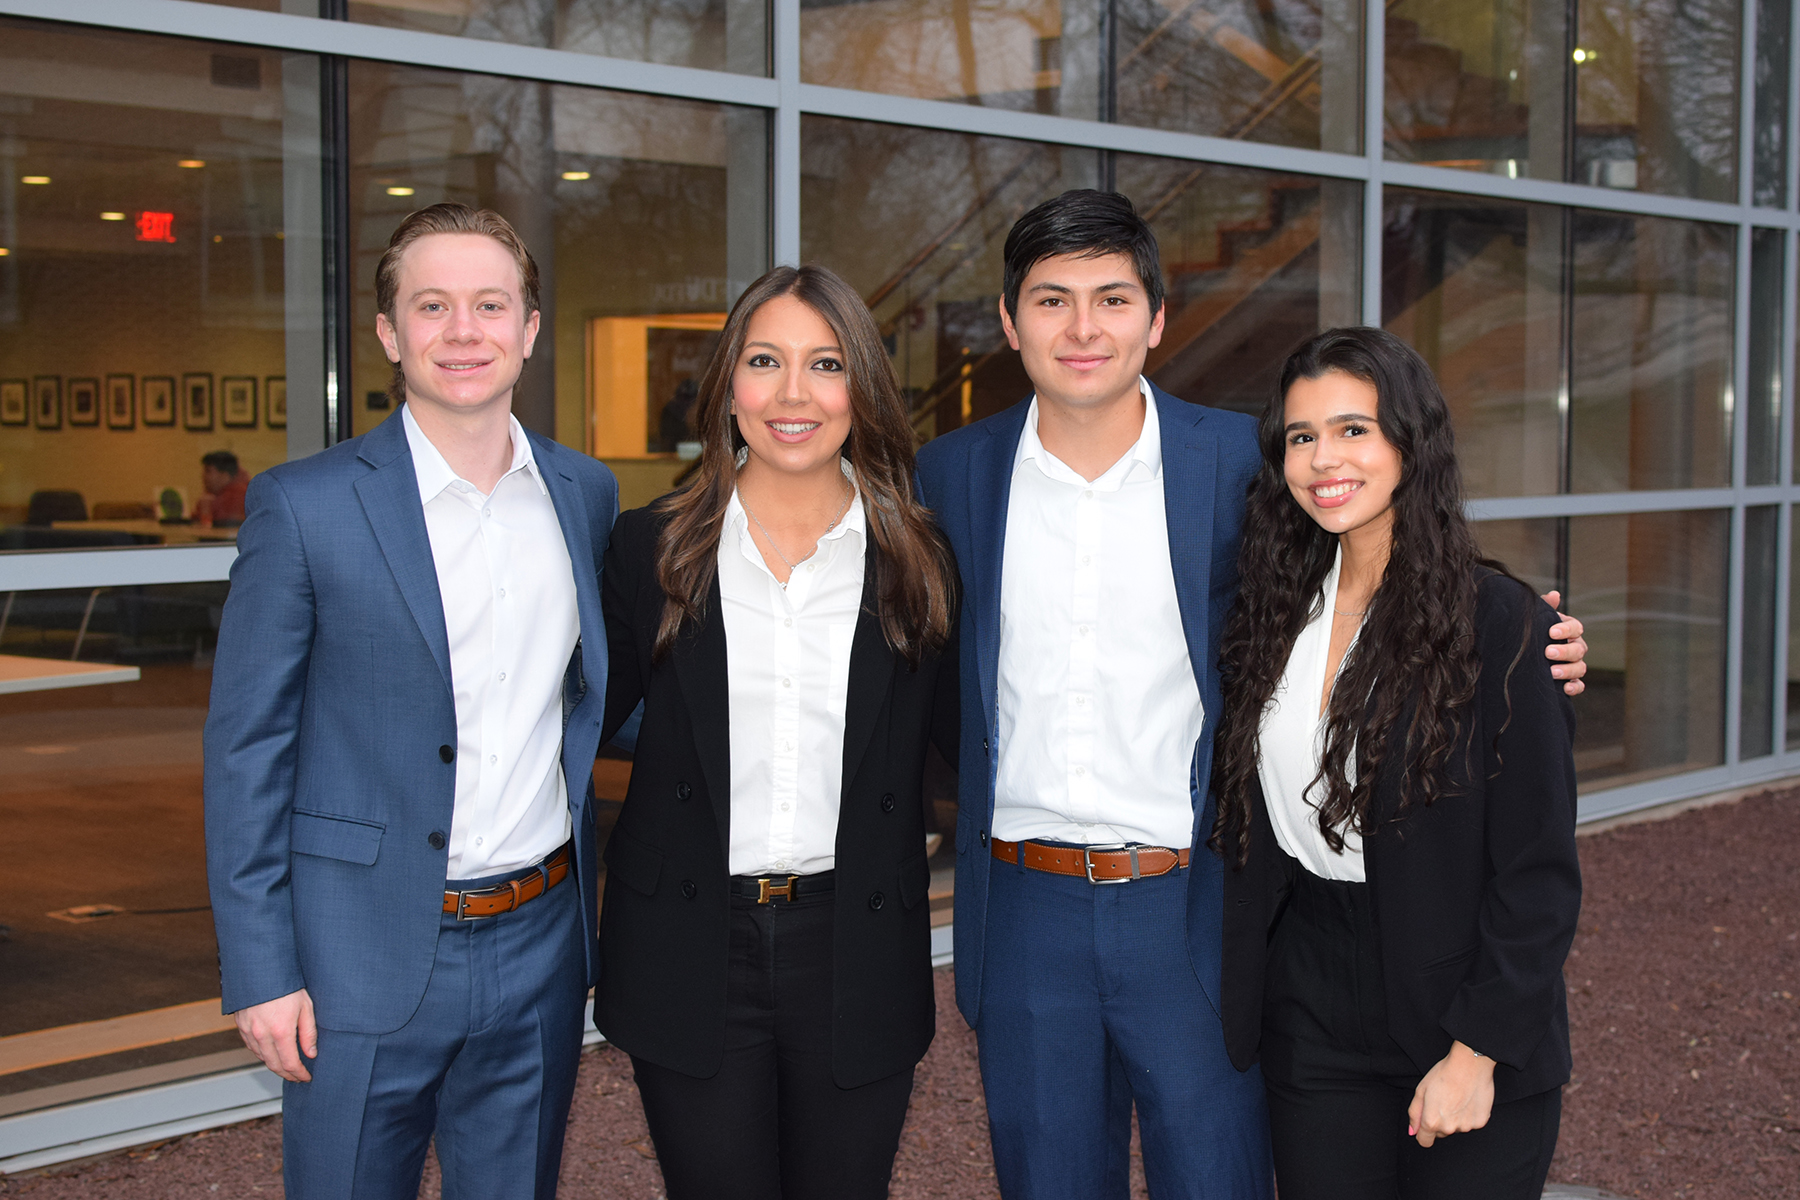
[[1096, 526], [399, 754]]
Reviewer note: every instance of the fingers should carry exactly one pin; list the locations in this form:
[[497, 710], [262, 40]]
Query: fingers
[[1415, 1111], [309, 1028], [274, 1030], [1553, 599]]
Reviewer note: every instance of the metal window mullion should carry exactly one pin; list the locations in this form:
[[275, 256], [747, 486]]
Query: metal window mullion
[[1374, 142], [1734, 639], [1793, 110], [785, 158], [1785, 512], [1784, 532]]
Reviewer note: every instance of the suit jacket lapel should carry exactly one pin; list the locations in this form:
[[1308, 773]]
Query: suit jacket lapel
[[390, 500], [572, 515], [871, 668], [990, 490], [700, 668], [1190, 482]]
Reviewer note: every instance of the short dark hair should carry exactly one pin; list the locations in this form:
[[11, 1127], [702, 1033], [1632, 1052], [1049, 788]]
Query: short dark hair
[[221, 460], [1087, 224]]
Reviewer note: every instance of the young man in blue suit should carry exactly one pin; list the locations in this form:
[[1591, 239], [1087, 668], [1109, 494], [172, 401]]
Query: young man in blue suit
[[1096, 526], [400, 749]]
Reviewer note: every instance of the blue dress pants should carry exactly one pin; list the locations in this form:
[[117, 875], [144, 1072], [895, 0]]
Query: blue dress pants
[[487, 1064], [1089, 1005]]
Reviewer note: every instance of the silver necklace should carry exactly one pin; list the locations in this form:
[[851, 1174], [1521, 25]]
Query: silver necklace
[[776, 546], [1334, 608]]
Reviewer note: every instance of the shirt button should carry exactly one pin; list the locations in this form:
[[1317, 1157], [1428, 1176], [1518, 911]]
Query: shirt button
[[1087, 560], [503, 677], [487, 512], [787, 683], [1081, 629], [1080, 772], [1088, 495], [781, 863], [789, 622], [479, 841], [785, 806], [503, 593], [493, 758]]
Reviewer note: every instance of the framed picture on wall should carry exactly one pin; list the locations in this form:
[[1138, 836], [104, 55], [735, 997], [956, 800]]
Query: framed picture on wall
[[84, 401], [237, 402], [275, 401], [159, 400], [197, 402], [121, 401], [46, 401], [15, 402]]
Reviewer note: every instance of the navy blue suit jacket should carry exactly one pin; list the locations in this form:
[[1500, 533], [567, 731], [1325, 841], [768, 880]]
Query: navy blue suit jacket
[[1209, 459], [331, 703]]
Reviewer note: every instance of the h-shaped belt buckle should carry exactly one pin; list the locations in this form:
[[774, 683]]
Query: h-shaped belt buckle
[[767, 889], [1087, 861]]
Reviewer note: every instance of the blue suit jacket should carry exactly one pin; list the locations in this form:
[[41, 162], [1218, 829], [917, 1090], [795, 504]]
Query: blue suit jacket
[[1209, 460], [331, 700]]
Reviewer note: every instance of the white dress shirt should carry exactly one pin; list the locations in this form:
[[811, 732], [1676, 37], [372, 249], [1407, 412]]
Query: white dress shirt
[[508, 590], [787, 656], [1293, 737], [1099, 713]]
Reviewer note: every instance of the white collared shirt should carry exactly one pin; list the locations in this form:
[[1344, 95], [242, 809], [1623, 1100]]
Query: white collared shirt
[[1099, 713], [787, 656], [1292, 740], [508, 590]]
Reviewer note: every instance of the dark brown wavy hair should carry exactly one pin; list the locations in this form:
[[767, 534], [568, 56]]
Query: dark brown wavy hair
[[1418, 640], [914, 575]]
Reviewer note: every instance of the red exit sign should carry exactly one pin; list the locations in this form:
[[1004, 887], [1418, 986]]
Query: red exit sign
[[156, 227]]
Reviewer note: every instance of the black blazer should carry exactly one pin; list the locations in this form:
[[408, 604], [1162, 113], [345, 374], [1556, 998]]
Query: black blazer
[[1476, 895], [664, 925]]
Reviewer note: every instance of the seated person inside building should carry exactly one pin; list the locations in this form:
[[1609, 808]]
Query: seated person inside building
[[224, 483]]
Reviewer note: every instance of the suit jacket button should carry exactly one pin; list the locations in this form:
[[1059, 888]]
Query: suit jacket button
[[984, 837], [435, 840], [876, 901], [688, 889], [683, 791], [984, 745], [887, 802], [447, 754]]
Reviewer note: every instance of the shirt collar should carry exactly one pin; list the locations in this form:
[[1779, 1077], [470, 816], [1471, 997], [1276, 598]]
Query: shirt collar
[[1146, 452], [435, 473]]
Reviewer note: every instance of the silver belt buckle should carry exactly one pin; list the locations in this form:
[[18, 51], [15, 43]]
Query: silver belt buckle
[[1087, 861]]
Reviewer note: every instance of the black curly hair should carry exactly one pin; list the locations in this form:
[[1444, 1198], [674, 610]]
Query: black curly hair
[[1418, 640]]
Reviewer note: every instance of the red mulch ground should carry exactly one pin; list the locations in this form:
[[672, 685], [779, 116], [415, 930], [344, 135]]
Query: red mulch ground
[[1682, 1006]]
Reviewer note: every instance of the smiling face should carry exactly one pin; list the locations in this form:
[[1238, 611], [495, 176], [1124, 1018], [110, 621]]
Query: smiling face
[[459, 329], [1083, 329], [1340, 469], [789, 390]]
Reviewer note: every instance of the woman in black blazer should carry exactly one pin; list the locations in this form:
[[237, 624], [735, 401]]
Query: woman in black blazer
[[765, 936], [1397, 795]]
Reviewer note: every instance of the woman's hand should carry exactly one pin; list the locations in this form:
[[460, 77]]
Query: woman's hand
[[1455, 1096], [1567, 647]]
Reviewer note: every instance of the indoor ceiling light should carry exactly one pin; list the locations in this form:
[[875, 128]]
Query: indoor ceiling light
[[34, 179], [1582, 56], [575, 176], [112, 216], [4, 252], [191, 163], [399, 191]]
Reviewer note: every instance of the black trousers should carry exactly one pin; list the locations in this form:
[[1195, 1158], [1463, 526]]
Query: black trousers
[[773, 1124], [1339, 1085]]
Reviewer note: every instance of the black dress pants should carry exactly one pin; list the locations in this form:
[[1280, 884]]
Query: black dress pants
[[773, 1124], [1339, 1085]]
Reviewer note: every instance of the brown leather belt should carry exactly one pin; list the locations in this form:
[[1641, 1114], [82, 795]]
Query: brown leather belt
[[1097, 864], [492, 901]]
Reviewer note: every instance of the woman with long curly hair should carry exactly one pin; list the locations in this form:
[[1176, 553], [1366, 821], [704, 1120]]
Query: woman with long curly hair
[[1396, 804], [785, 620]]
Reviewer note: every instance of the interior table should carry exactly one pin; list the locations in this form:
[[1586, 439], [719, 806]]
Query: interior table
[[19, 673]]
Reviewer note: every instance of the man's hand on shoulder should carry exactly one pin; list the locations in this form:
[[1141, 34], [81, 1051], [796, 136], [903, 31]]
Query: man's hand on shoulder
[[279, 1031], [1567, 648]]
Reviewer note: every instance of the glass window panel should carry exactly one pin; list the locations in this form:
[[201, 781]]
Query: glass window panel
[[1476, 287], [1757, 699], [647, 217], [147, 262], [1656, 96], [719, 35], [1532, 550], [107, 775], [916, 219], [1281, 72], [1650, 589], [1763, 396], [1774, 21], [1651, 390], [1479, 84]]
